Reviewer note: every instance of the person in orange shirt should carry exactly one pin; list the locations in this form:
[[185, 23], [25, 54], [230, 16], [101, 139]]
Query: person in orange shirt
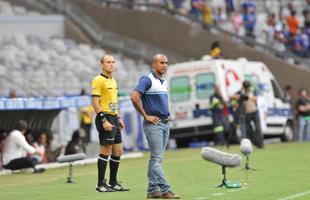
[[292, 22]]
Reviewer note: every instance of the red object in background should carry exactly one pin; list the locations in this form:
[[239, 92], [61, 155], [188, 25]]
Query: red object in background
[[226, 111]]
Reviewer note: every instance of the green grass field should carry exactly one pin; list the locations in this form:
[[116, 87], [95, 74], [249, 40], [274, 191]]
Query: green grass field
[[283, 171]]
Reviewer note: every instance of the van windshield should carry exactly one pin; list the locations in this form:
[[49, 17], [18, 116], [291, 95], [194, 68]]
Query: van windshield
[[254, 82], [180, 89], [205, 85]]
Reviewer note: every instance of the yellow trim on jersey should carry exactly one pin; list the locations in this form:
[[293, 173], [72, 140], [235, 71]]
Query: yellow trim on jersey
[[107, 89]]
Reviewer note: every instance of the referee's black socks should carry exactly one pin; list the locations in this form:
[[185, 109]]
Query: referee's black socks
[[102, 166], [114, 163]]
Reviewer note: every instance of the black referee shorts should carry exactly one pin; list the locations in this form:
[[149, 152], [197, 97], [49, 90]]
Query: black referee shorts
[[107, 137]]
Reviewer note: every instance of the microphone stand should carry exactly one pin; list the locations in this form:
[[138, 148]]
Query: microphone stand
[[247, 165], [70, 179], [247, 168], [224, 181]]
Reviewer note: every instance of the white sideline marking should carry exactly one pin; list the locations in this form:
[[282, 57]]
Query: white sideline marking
[[217, 194], [296, 195], [17, 184], [201, 198], [235, 190]]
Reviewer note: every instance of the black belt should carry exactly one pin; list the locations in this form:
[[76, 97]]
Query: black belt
[[166, 120]]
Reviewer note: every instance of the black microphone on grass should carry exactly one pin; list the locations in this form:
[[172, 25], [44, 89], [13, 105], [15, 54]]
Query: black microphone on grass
[[70, 159], [223, 159]]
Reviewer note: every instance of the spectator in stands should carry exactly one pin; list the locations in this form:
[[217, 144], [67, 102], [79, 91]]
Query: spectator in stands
[[305, 42], [295, 45], [12, 94], [216, 51], [306, 16], [285, 11], [86, 119], [270, 29], [249, 19], [303, 115], [230, 6], [220, 17], [14, 148], [293, 23], [75, 145], [178, 6], [308, 5], [280, 40], [237, 21], [195, 8], [206, 11]]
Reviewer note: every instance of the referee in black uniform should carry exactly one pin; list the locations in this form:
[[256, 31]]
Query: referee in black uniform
[[108, 124]]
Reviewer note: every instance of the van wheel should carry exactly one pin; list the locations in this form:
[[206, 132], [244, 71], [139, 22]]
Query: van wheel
[[287, 135]]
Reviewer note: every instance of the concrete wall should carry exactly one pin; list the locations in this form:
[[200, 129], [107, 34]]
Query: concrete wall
[[185, 39], [45, 26], [71, 30]]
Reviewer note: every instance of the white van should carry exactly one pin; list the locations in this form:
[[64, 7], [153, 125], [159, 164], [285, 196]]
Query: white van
[[192, 83]]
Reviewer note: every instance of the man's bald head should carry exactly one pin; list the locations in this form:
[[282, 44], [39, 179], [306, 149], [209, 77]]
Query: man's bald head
[[158, 57], [160, 64]]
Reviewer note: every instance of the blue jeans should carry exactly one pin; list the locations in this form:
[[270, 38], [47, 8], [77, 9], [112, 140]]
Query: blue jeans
[[157, 137], [303, 129]]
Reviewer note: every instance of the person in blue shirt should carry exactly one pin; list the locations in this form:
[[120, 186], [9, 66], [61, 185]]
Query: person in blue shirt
[[249, 19], [150, 98]]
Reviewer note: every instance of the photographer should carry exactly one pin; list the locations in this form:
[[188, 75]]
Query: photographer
[[247, 100]]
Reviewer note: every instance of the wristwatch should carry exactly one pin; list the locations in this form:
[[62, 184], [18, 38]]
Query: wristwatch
[[102, 117]]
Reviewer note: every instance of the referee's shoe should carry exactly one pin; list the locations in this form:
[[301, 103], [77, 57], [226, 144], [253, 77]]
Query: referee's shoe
[[104, 188], [118, 187]]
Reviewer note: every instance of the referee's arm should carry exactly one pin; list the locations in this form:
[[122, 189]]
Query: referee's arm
[[95, 103], [105, 124]]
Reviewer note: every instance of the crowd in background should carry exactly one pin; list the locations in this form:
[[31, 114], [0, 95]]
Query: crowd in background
[[283, 26]]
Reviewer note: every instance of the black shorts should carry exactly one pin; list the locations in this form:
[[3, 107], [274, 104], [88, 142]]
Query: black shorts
[[107, 137]]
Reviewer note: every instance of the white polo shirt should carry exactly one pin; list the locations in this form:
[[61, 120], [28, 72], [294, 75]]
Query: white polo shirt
[[15, 146]]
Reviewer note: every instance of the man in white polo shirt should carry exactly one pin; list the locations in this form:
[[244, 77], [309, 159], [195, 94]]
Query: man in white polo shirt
[[15, 149]]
